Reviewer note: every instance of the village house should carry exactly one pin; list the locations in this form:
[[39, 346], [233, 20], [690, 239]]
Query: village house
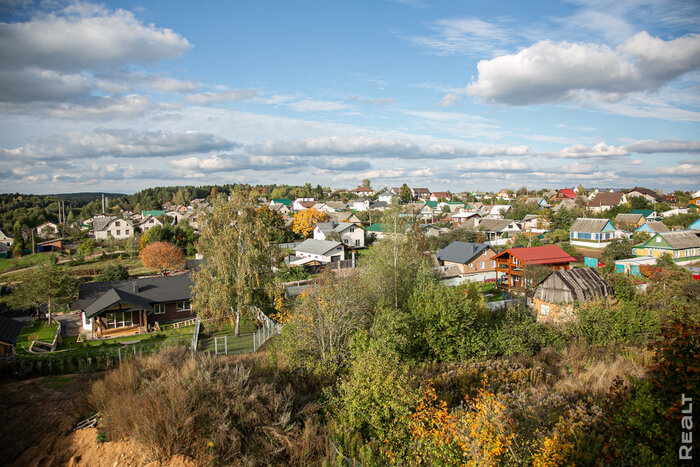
[[361, 204], [592, 232], [494, 231], [6, 240], [420, 193], [629, 222], [498, 211], [606, 200], [460, 218], [362, 191], [504, 195], [387, 197], [351, 235], [300, 204], [511, 262], [286, 201], [440, 196], [318, 251], [555, 296], [148, 223], [647, 194], [653, 227], [534, 223], [47, 229], [471, 259], [564, 193], [114, 227], [117, 308], [10, 330], [682, 245], [453, 206]]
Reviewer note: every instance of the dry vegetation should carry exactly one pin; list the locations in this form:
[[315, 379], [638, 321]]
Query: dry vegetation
[[213, 409]]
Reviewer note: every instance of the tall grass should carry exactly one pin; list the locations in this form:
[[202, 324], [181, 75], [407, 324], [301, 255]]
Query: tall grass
[[218, 410]]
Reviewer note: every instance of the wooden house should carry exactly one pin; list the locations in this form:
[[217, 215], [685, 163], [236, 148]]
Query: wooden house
[[605, 200], [682, 245], [554, 297], [118, 308], [629, 222], [10, 330], [592, 232], [511, 262], [653, 227]]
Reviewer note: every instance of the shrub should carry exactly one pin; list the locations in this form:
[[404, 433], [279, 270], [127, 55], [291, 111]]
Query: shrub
[[601, 322], [113, 272], [216, 409]]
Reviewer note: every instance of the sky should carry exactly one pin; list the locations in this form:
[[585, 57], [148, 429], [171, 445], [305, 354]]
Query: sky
[[448, 95]]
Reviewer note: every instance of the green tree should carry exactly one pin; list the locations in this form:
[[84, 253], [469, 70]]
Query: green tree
[[237, 273], [325, 317], [87, 247], [113, 272], [397, 264], [18, 243], [619, 248], [405, 194], [366, 183], [49, 285], [640, 202]]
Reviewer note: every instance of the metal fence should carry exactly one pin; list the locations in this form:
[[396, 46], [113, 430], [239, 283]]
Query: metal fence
[[244, 343]]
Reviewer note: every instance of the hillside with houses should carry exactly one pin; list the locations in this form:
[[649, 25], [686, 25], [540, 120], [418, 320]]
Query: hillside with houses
[[463, 307]]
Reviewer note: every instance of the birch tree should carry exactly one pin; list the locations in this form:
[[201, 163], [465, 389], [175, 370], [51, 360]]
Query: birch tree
[[237, 273]]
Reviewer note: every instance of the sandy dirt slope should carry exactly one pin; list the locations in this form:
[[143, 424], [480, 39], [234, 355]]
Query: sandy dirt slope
[[36, 421]]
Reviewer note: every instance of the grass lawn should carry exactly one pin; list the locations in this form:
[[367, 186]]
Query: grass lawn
[[23, 262], [36, 331], [141, 342], [241, 344]]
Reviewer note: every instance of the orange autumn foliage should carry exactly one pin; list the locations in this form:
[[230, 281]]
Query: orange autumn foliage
[[479, 434], [161, 256]]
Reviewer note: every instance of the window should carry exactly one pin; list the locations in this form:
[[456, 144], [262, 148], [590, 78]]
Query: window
[[481, 265], [357, 242], [658, 239], [493, 263], [159, 308], [118, 223], [471, 265], [183, 306], [544, 309], [126, 232], [352, 229], [119, 232], [118, 319]]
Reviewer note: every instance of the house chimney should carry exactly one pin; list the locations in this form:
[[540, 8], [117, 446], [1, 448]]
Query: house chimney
[[135, 285]]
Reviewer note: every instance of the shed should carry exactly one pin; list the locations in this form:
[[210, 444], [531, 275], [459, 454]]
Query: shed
[[10, 330], [555, 295]]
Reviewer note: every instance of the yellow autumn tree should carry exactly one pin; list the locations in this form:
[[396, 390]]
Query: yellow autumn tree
[[305, 221]]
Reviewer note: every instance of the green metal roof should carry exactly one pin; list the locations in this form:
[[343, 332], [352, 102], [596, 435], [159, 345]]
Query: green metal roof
[[156, 213], [285, 201], [644, 212], [432, 204], [376, 227]]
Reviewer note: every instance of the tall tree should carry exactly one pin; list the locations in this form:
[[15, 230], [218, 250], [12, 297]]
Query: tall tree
[[366, 183], [405, 194], [237, 273], [49, 285], [162, 256]]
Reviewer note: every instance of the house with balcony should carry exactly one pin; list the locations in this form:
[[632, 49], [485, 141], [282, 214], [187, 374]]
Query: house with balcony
[[592, 232], [511, 263], [351, 235]]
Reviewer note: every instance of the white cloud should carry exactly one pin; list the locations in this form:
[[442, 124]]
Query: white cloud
[[490, 165], [366, 100], [463, 35], [310, 105], [84, 36], [116, 143], [231, 95], [553, 72], [34, 84], [371, 146], [173, 85], [580, 151], [654, 147]]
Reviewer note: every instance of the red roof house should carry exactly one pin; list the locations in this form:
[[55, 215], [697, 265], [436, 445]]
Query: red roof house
[[564, 193], [512, 261]]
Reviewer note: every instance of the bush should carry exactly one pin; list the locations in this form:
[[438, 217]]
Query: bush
[[218, 410], [601, 322], [113, 272]]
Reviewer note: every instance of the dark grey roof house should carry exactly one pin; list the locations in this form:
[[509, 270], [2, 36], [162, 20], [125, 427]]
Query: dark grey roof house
[[461, 252], [132, 306], [10, 330]]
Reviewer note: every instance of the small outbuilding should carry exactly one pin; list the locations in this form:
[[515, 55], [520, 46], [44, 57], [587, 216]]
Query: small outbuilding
[[10, 330], [554, 297]]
